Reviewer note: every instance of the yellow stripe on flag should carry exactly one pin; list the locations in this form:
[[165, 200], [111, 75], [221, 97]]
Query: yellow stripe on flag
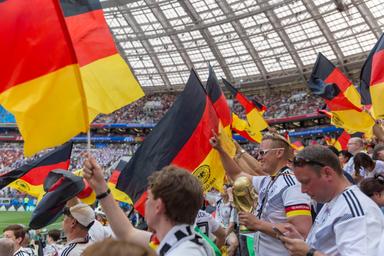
[[377, 95], [109, 85], [53, 102], [119, 195], [353, 95], [25, 187], [353, 121], [211, 171]]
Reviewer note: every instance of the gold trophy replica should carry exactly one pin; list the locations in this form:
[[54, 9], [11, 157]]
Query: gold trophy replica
[[244, 197]]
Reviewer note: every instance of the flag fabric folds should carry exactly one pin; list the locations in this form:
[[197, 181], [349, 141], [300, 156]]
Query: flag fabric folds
[[341, 142], [60, 186], [118, 194], [180, 138], [250, 129], [340, 95], [59, 70], [108, 82], [372, 79], [39, 79], [30, 177]]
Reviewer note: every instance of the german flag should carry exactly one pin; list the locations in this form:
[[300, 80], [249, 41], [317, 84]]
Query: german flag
[[372, 79], [340, 95], [39, 79], [118, 194], [341, 142], [108, 82], [250, 129], [180, 138], [60, 186], [30, 177], [223, 112], [297, 145]]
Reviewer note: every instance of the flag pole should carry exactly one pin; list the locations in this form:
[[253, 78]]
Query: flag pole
[[89, 140]]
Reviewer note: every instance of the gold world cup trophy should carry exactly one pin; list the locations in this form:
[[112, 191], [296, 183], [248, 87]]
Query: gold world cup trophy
[[244, 197]]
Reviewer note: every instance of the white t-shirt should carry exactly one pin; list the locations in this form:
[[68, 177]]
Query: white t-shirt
[[379, 168], [350, 224], [182, 240], [225, 213], [98, 232], [206, 223], [75, 247], [284, 196]]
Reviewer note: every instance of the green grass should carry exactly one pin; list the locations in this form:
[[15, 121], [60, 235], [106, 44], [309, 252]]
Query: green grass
[[8, 218]]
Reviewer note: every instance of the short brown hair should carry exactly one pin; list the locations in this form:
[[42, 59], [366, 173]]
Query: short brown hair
[[322, 155], [279, 141], [54, 234], [180, 191], [369, 186], [17, 230], [116, 248]]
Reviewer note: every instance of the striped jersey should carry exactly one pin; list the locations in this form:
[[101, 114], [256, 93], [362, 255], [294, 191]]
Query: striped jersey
[[75, 247], [350, 224], [280, 197]]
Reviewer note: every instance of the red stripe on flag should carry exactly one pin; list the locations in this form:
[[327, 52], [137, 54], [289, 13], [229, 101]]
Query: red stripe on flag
[[90, 29], [198, 143], [114, 177], [32, 42], [86, 192], [244, 102], [377, 75], [37, 175], [223, 111], [337, 77], [140, 204]]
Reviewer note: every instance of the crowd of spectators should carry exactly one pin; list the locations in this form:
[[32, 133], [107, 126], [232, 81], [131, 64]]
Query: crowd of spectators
[[151, 108]]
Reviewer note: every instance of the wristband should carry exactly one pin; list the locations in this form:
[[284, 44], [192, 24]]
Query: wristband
[[311, 252], [103, 195]]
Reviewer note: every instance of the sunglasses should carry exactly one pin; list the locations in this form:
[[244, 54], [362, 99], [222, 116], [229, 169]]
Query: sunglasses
[[263, 152], [300, 162]]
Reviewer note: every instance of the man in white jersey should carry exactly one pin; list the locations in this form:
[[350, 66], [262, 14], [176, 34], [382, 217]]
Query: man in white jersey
[[17, 234], [348, 224], [280, 197], [78, 219], [210, 227], [174, 198]]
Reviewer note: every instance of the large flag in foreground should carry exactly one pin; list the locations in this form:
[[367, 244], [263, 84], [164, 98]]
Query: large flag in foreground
[[341, 97], [372, 79], [30, 177], [39, 79], [108, 82], [180, 138], [250, 129], [57, 73]]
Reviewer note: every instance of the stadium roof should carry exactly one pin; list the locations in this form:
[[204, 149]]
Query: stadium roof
[[253, 42]]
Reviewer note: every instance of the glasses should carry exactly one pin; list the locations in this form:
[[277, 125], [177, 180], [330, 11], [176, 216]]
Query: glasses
[[263, 152], [300, 162]]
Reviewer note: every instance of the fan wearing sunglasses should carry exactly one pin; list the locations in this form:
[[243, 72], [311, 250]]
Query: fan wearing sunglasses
[[280, 198], [348, 223]]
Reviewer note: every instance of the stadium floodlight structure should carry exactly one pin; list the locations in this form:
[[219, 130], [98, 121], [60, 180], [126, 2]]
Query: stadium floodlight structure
[[258, 42]]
